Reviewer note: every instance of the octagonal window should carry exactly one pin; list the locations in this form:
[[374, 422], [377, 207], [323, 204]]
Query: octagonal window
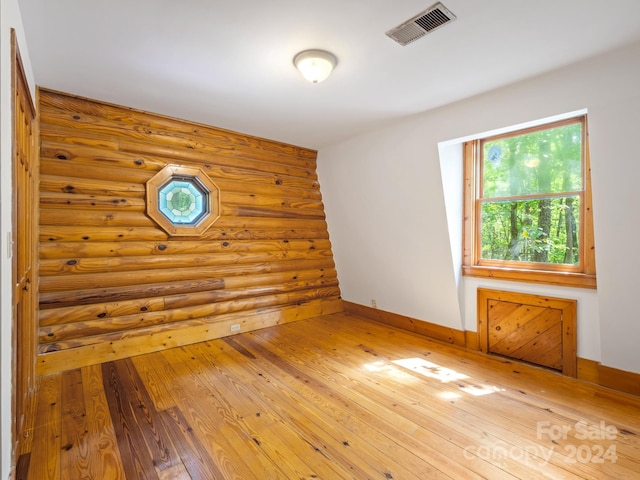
[[183, 200]]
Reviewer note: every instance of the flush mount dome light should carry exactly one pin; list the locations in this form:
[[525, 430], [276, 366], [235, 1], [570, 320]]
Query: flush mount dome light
[[183, 200], [315, 65]]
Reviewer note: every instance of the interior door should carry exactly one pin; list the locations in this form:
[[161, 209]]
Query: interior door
[[24, 246]]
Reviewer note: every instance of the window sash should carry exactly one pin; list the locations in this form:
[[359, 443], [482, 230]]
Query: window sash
[[580, 275], [568, 267]]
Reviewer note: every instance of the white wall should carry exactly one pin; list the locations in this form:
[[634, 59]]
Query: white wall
[[9, 18], [387, 209]]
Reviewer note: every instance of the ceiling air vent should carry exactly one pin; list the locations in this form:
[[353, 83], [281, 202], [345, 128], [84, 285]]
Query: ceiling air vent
[[425, 22]]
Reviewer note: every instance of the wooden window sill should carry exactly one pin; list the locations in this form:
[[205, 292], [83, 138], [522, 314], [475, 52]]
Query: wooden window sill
[[565, 279]]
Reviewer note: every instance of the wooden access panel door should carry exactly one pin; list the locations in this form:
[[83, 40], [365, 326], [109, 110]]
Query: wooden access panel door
[[533, 328]]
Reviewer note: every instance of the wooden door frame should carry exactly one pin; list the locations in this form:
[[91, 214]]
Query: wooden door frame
[[568, 307]]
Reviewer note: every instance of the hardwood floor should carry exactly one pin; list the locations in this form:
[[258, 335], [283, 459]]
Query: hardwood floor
[[336, 397]]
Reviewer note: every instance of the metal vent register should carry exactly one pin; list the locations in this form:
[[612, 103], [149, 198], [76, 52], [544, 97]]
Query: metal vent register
[[425, 22]]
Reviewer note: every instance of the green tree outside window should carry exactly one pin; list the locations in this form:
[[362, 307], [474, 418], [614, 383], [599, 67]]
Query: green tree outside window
[[530, 196]]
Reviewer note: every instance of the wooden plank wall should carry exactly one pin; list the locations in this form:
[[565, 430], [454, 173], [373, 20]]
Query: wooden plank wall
[[113, 284]]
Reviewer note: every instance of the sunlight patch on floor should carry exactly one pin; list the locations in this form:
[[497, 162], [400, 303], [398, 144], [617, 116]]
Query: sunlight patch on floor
[[393, 372], [449, 395], [436, 372], [429, 369]]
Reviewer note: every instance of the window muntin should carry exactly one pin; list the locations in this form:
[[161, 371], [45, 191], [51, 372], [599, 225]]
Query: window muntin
[[527, 204]]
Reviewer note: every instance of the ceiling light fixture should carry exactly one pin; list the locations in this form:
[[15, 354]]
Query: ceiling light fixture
[[315, 65]]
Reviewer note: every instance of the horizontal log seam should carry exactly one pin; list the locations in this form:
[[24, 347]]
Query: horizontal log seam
[[97, 266], [175, 327], [96, 304], [112, 279], [74, 251], [62, 332], [69, 234], [267, 187], [104, 218], [60, 101], [100, 171], [230, 200], [192, 150], [103, 127]]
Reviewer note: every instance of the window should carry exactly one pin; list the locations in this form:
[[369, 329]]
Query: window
[[528, 206], [183, 200]]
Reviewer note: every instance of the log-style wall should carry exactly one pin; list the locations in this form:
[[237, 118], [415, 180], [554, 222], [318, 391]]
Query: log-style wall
[[114, 284]]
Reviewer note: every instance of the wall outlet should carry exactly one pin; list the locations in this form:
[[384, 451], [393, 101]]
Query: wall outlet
[[235, 328], [373, 303]]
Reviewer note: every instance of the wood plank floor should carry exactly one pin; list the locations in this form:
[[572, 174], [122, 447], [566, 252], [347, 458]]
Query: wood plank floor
[[336, 397]]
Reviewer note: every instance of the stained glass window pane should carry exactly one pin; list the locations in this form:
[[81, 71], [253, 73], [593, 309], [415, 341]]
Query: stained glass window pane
[[183, 201]]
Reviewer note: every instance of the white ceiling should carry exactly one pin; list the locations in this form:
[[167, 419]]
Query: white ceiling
[[228, 63]]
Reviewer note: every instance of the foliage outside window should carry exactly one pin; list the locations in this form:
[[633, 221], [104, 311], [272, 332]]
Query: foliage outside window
[[528, 206]]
